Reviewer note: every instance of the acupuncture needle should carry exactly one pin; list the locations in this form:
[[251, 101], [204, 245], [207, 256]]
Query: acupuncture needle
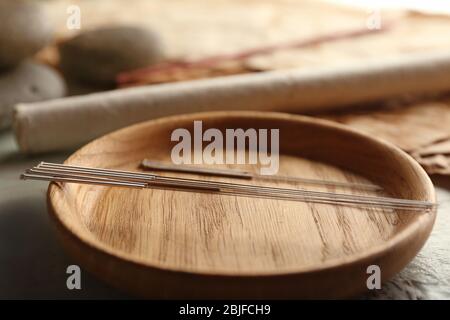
[[56, 171], [200, 189], [240, 174], [77, 178], [143, 177]]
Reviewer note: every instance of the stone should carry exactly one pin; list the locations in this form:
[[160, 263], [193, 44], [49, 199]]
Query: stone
[[28, 82], [25, 28], [98, 55]]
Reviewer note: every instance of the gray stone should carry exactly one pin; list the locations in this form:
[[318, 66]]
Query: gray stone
[[28, 82], [98, 55], [24, 29]]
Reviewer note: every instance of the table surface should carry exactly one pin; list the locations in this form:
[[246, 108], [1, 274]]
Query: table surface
[[33, 264]]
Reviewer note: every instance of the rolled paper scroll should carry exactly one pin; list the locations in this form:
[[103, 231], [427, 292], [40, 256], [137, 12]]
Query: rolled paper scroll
[[69, 122]]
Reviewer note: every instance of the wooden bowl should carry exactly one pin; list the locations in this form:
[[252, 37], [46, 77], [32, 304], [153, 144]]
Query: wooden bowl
[[171, 244]]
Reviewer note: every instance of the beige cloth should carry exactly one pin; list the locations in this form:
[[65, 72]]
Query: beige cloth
[[197, 28], [421, 129]]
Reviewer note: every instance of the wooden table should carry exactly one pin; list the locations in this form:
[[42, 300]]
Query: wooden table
[[33, 265]]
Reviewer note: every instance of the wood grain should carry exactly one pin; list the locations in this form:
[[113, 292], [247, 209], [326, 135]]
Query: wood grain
[[167, 244]]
